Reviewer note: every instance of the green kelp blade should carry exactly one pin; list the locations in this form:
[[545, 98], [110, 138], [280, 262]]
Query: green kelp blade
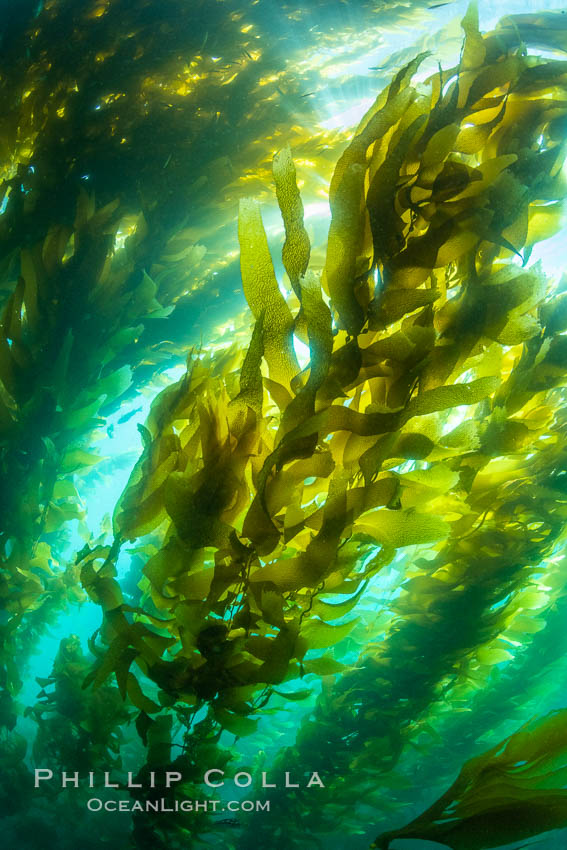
[[512, 792], [263, 295], [296, 248]]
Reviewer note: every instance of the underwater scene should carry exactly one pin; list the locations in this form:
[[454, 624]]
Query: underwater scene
[[283, 424]]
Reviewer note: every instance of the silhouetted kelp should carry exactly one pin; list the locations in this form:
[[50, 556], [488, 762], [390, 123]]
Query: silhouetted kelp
[[78, 730], [70, 334]]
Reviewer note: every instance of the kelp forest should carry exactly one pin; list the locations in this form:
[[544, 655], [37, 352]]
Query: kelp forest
[[283, 436]]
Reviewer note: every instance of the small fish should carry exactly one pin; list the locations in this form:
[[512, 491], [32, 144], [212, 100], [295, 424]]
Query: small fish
[[128, 416], [227, 822], [206, 38], [439, 5], [246, 53], [168, 160], [309, 94]]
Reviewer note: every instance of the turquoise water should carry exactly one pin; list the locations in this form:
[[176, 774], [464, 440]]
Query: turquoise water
[[186, 164]]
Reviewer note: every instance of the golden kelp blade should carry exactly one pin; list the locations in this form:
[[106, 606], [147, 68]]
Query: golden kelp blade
[[295, 251], [263, 295], [453, 322]]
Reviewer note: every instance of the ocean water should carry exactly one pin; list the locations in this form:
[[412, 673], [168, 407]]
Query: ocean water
[[207, 443]]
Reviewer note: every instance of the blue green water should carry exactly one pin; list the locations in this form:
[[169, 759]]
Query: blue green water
[[322, 66]]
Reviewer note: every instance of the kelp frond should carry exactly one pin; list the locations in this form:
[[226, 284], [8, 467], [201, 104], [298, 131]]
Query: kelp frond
[[429, 410], [512, 792]]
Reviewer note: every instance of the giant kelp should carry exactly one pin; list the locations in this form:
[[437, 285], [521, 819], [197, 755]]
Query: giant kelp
[[441, 619], [429, 415], [169, 76], [77, 730], [73, 303], [175, 104], [513, 791], [163, 107], [70, 336]]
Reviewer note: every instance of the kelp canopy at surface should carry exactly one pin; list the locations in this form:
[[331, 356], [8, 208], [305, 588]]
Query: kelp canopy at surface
[[421, 447]]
